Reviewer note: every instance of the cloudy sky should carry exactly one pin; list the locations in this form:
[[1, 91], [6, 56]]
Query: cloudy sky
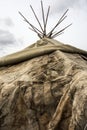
[[14, 32]]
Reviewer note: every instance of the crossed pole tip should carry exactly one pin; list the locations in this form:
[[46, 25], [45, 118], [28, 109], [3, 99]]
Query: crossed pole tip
[[42, 32]]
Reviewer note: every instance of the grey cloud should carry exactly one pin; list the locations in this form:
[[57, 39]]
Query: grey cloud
[[6, 37], [8, 43], [9, 22], [64, 4], [6, 21]]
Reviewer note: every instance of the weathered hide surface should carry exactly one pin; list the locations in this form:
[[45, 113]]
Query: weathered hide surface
[[48, 92]]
